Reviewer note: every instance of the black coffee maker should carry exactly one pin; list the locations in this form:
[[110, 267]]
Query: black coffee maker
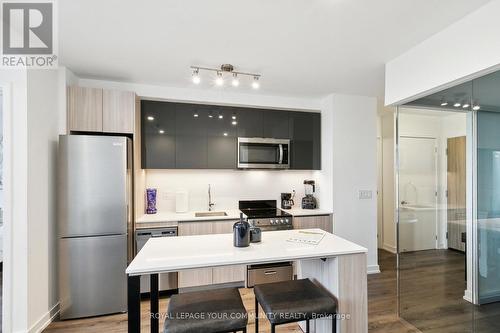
[[287, 200]]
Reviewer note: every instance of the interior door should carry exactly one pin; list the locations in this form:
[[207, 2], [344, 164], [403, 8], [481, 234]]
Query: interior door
[[456, 190], [417, 194]]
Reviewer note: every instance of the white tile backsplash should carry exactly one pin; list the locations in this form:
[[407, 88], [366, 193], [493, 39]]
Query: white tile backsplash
[[228, 186]]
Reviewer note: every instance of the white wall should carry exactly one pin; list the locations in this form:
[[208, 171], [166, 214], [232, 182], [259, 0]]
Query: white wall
[[15, 267], [466, 49], [354, 168], [44, 89], [228, 186], [209, 96]]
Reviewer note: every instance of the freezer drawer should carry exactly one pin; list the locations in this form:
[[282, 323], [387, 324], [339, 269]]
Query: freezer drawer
[[92, 279], [166, 281], [259, 274]]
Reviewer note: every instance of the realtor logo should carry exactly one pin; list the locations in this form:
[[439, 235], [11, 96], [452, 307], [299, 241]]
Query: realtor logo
[[28, 34]]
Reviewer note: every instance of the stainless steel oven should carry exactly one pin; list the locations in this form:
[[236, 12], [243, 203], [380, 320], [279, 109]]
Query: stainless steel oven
[[263, 153]]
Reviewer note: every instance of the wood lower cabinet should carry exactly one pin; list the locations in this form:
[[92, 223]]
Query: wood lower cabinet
[[208, 276], [323, 222]]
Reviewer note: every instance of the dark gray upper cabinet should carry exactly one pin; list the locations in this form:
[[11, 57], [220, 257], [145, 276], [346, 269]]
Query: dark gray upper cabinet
[[158, 135], [222, 132], [276, 125], [250, 123], [191, 121], [195, 136], [305, 135]]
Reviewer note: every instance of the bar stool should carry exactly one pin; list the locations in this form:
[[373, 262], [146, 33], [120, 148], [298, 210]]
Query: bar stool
[[210, 311], [293, 301]]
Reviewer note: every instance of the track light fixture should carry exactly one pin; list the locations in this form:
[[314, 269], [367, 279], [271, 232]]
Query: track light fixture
[[224, 70]]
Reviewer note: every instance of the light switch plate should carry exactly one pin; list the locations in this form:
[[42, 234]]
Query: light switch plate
[[365, 194]]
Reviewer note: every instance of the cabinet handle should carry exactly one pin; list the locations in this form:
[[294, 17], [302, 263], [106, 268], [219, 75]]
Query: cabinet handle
[[281, 154], [270, 272]]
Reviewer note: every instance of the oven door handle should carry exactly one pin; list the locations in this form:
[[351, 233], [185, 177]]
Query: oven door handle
[[281, 154]]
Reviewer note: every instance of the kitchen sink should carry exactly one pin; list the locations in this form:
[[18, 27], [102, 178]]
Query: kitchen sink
[[210, 214]]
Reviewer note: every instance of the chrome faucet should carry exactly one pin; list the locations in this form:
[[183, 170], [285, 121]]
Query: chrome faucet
[[210, 203]]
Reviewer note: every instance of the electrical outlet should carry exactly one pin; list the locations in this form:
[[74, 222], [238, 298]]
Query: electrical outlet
[[365, 194]]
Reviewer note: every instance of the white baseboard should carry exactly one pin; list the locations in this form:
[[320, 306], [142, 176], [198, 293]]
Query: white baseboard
[[45, 320], [468, 296], [373, 269], [389, 248]]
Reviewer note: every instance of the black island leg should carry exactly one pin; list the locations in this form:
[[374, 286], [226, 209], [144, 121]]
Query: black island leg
[[155, 313], [134, 303]]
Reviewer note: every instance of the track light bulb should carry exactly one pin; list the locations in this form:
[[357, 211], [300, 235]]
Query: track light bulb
[[219, 80], [255, 83], [476, 107], [196, 77], [235, 81]]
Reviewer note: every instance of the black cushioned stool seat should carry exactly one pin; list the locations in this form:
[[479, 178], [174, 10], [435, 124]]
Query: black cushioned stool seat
[[292, 301], [210, 311]]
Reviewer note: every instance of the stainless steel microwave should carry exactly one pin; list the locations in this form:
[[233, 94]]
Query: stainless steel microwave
[[263, 153]]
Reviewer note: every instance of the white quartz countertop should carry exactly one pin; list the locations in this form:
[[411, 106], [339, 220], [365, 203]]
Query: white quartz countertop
[[171, 254], [307, 212], [232, 214]]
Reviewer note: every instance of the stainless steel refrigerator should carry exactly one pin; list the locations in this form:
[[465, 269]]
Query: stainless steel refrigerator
[[95, 224]]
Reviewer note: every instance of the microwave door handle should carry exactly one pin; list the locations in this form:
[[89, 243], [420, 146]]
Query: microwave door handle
[[281, 154]]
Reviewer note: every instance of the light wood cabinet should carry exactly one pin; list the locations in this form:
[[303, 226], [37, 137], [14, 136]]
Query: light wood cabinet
[[195, 277], [84, 109], [456, 190], [118, 111], [226, 274], [98, 110], [324, 222], [207, 276]]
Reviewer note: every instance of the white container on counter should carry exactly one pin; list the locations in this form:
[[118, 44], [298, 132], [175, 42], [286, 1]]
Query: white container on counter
[[181, 201]]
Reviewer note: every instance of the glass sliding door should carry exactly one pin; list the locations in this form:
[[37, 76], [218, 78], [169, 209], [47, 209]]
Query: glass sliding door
[[433, 188]]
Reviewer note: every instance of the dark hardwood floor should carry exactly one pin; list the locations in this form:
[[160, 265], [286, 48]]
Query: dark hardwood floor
[[432, 287]]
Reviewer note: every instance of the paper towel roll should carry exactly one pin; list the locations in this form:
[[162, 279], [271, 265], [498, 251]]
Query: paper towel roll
[[181, 201]]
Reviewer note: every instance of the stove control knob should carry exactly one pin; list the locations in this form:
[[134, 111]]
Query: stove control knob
[[286, 221], [282, 222], [272, 221]]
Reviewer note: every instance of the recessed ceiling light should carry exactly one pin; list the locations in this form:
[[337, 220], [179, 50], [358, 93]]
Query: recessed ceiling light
[[210, 115], [195, 115], [161, 131], [465, 106], [225, 133], [255, 83], [457, 105], [233, 116], [221, 116], [234, 122], [476, 107], [151, 118], [444, 103]]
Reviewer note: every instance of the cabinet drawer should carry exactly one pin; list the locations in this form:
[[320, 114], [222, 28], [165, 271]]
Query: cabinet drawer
[[269, 273]]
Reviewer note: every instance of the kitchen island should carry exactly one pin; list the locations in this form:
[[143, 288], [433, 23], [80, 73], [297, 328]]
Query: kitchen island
[[335, 263]]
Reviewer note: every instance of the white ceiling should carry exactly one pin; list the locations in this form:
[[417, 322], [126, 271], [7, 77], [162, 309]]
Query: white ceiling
[[303, 48]]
